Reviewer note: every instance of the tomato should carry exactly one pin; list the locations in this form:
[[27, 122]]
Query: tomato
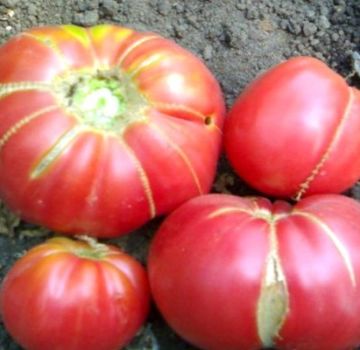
[[243, 273], [295, 131], [102, 129], [66, 294]]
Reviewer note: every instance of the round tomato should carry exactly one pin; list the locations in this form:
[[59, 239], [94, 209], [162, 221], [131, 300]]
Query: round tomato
[[66, 294], [295, 131], [242, 273], [101, 129]]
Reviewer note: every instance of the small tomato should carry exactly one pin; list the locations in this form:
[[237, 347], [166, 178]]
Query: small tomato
[[66, 294]]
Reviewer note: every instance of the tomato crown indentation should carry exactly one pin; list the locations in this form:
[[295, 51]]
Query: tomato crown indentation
[[106, 100]]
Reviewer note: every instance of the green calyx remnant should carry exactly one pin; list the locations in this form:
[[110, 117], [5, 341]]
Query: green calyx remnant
[[101, 101], [89, 254], [105, 100], [92, 249]]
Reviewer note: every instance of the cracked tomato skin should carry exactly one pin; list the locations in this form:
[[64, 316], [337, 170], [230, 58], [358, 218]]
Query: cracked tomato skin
[[295, 131], [63, 294], [241, 273], [75, 165]]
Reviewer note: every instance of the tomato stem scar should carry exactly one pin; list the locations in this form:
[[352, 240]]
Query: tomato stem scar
[[107, 100], [93, 249]]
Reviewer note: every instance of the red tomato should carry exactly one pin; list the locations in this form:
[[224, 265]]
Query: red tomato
[[242, 273], [295, 131], [103, 128], [65, 294]]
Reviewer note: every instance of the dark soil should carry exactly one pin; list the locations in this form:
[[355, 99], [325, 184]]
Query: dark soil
[[238, 39]]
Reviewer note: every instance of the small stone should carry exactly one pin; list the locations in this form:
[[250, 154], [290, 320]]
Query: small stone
[[309, 29]]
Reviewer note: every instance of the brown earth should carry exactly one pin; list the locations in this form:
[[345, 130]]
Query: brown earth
[[237, 40]]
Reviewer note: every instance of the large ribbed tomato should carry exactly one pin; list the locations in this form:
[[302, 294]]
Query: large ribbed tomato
[[66, 294], [296, 131], [103, 128], [242, 273]]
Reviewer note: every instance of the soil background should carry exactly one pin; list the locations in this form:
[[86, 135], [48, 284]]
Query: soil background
[[237, 39]]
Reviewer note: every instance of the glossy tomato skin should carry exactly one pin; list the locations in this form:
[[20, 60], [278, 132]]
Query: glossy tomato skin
[[75, 174], [55, 297], [242, 273], [295, 129]]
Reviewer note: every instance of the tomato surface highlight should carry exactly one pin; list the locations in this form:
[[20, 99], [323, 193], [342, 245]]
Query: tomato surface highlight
[[103, 128], [295, 131], [243, 273], [66, 294]]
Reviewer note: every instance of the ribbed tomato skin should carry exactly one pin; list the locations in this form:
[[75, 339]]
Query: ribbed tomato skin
[[104, 183], [295, 131], [237, 273], [52, 299]]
